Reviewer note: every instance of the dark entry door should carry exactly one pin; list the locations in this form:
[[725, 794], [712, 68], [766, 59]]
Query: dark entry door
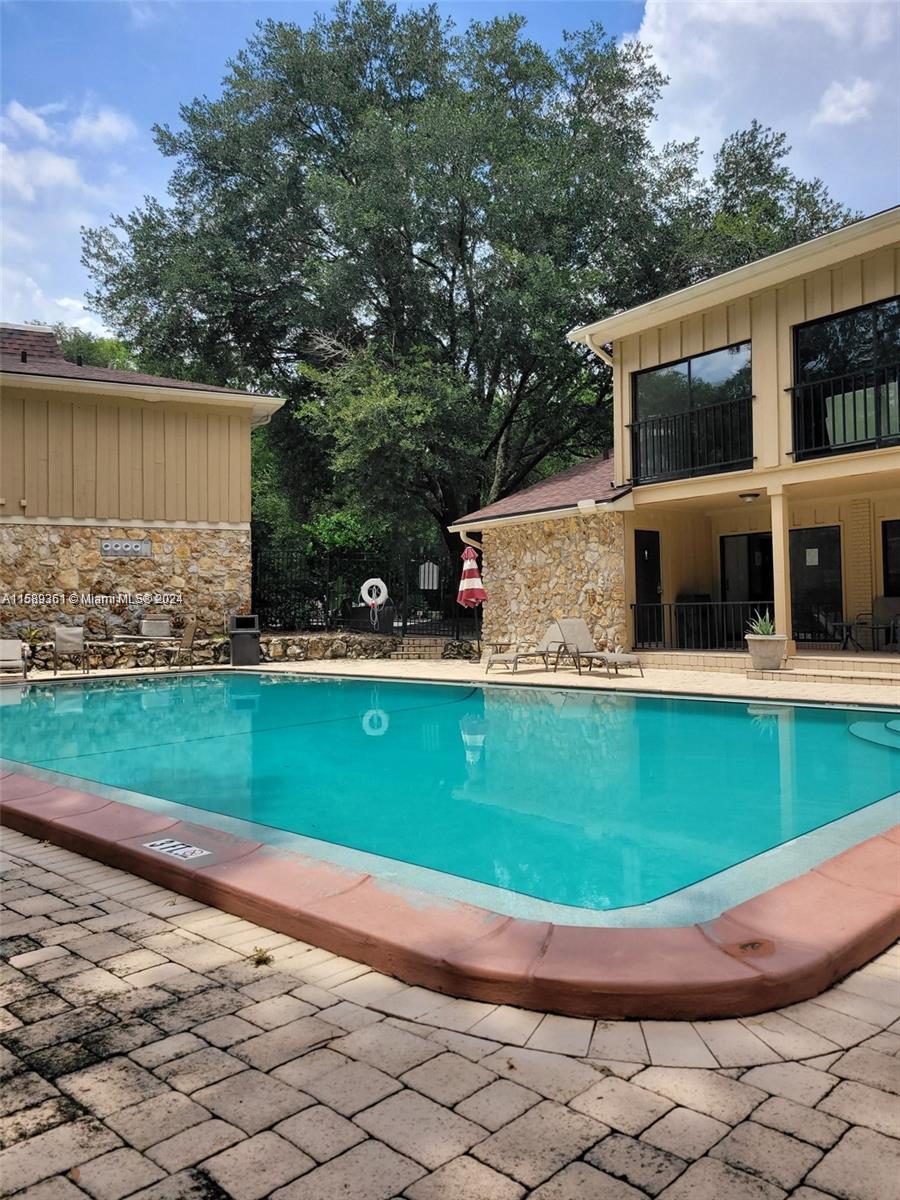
[[747, 568], [648, 621], [817, 599]]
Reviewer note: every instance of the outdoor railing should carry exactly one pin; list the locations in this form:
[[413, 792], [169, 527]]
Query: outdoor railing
[[817, 623], [856, 411], [701, 441], [695, 625], [297, 590]]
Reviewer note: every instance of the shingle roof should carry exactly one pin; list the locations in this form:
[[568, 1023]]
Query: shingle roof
[[44, 357], [592, 480]]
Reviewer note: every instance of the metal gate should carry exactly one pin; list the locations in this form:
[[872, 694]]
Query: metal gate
[[294, 590]]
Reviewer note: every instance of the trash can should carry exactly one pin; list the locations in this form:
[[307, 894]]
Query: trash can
[[243, 633]]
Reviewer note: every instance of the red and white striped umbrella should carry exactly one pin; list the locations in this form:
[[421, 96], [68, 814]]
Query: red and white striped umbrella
[[471, 590]]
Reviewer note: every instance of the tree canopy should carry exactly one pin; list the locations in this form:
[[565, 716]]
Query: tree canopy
[[394, 224], [93, 349]]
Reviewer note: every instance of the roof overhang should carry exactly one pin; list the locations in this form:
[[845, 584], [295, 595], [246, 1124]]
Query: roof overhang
[[584, 508], [861, 237], [261, 408]]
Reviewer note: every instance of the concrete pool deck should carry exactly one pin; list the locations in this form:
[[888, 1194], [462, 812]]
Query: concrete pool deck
[[670, 680], [146, 1052]]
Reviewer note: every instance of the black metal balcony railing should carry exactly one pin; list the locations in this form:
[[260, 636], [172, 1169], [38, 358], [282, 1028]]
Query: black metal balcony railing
[[857, 411], [818, 623], [695, 625], [700, 441]]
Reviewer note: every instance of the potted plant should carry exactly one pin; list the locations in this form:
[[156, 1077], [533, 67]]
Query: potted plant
[[765, 645]]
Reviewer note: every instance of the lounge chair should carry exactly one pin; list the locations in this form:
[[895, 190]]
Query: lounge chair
[[185, 645], [621, 658], [14, 656], [68, 640], [579, 643], [550, 643]]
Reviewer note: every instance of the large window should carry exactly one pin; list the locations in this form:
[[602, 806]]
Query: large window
[[858, 340], [693, 417], [697, 382], [847, 380], [890, 533]]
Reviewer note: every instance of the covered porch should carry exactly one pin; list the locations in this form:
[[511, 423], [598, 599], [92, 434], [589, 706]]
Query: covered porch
[[823, 558]]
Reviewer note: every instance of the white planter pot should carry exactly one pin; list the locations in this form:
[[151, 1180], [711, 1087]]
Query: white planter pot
[[766, 650]]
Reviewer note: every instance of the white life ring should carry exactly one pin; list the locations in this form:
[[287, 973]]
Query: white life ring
[[373, 592], [375, 723]]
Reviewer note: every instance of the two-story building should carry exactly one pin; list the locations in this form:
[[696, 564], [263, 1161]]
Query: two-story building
[[116, 484], [756, 466]]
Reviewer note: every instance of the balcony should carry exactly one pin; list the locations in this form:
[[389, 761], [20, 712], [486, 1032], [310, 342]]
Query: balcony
[[699, 441], [857, 411]]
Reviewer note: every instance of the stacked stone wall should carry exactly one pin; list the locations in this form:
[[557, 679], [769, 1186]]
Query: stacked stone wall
[[194, 572], [539, 571]]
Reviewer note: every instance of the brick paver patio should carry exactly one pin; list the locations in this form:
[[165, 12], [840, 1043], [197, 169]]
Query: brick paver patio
[[145, 1054]]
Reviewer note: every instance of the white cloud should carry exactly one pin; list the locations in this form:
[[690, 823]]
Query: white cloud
[[100, 127], [23, 299], [62, 168], [146, 13], [846, 103], [21, 120], [13, 239], [27, 172], [805, 68]]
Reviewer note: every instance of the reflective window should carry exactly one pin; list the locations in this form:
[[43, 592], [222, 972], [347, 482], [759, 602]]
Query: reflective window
[[697, 382], [851, 341], [890, 532]]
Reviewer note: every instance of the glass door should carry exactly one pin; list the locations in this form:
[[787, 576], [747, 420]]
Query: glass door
[[817, 596]]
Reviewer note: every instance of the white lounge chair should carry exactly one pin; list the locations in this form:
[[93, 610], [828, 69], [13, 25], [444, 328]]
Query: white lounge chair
[[14, 656], [550, 643]]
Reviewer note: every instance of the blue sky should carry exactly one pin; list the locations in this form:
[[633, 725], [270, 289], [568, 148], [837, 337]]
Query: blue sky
[[83, 81]]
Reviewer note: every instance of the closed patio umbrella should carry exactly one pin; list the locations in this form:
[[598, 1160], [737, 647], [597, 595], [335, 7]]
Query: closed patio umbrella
[[471, 590]]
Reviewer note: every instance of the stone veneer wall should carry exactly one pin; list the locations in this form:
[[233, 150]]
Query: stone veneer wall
[[288, 647], [210, 568], [539, 571]]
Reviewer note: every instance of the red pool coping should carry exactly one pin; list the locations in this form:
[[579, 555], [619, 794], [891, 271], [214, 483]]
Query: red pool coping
[[784, 945]]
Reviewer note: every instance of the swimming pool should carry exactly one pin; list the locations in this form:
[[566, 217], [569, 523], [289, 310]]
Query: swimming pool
[[593, 800]]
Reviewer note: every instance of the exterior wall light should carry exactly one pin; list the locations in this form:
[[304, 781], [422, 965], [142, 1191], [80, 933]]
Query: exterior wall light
[[748, 497]]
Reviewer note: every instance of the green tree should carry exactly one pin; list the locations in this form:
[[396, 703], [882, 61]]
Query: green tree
[[93, 349], [755, 205], [394, 224]]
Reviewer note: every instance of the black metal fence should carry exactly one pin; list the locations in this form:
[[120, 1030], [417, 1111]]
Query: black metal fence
[[695, 626], [820, 624], [295, 590]]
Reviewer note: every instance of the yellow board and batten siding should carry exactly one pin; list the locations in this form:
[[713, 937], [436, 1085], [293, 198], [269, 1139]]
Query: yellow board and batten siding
[[122, 460], [766, 319]]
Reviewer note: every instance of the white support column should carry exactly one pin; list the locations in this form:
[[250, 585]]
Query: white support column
[[781, 566]]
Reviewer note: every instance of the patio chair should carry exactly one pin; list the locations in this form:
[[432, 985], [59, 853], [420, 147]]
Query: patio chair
[[550, 643], [886, 619], [185, 645], [156, 627], [580, 644], [14, 656], [68, 640]]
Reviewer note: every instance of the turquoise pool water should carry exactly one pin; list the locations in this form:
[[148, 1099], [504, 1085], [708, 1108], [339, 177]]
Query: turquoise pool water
[[579, 798]]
